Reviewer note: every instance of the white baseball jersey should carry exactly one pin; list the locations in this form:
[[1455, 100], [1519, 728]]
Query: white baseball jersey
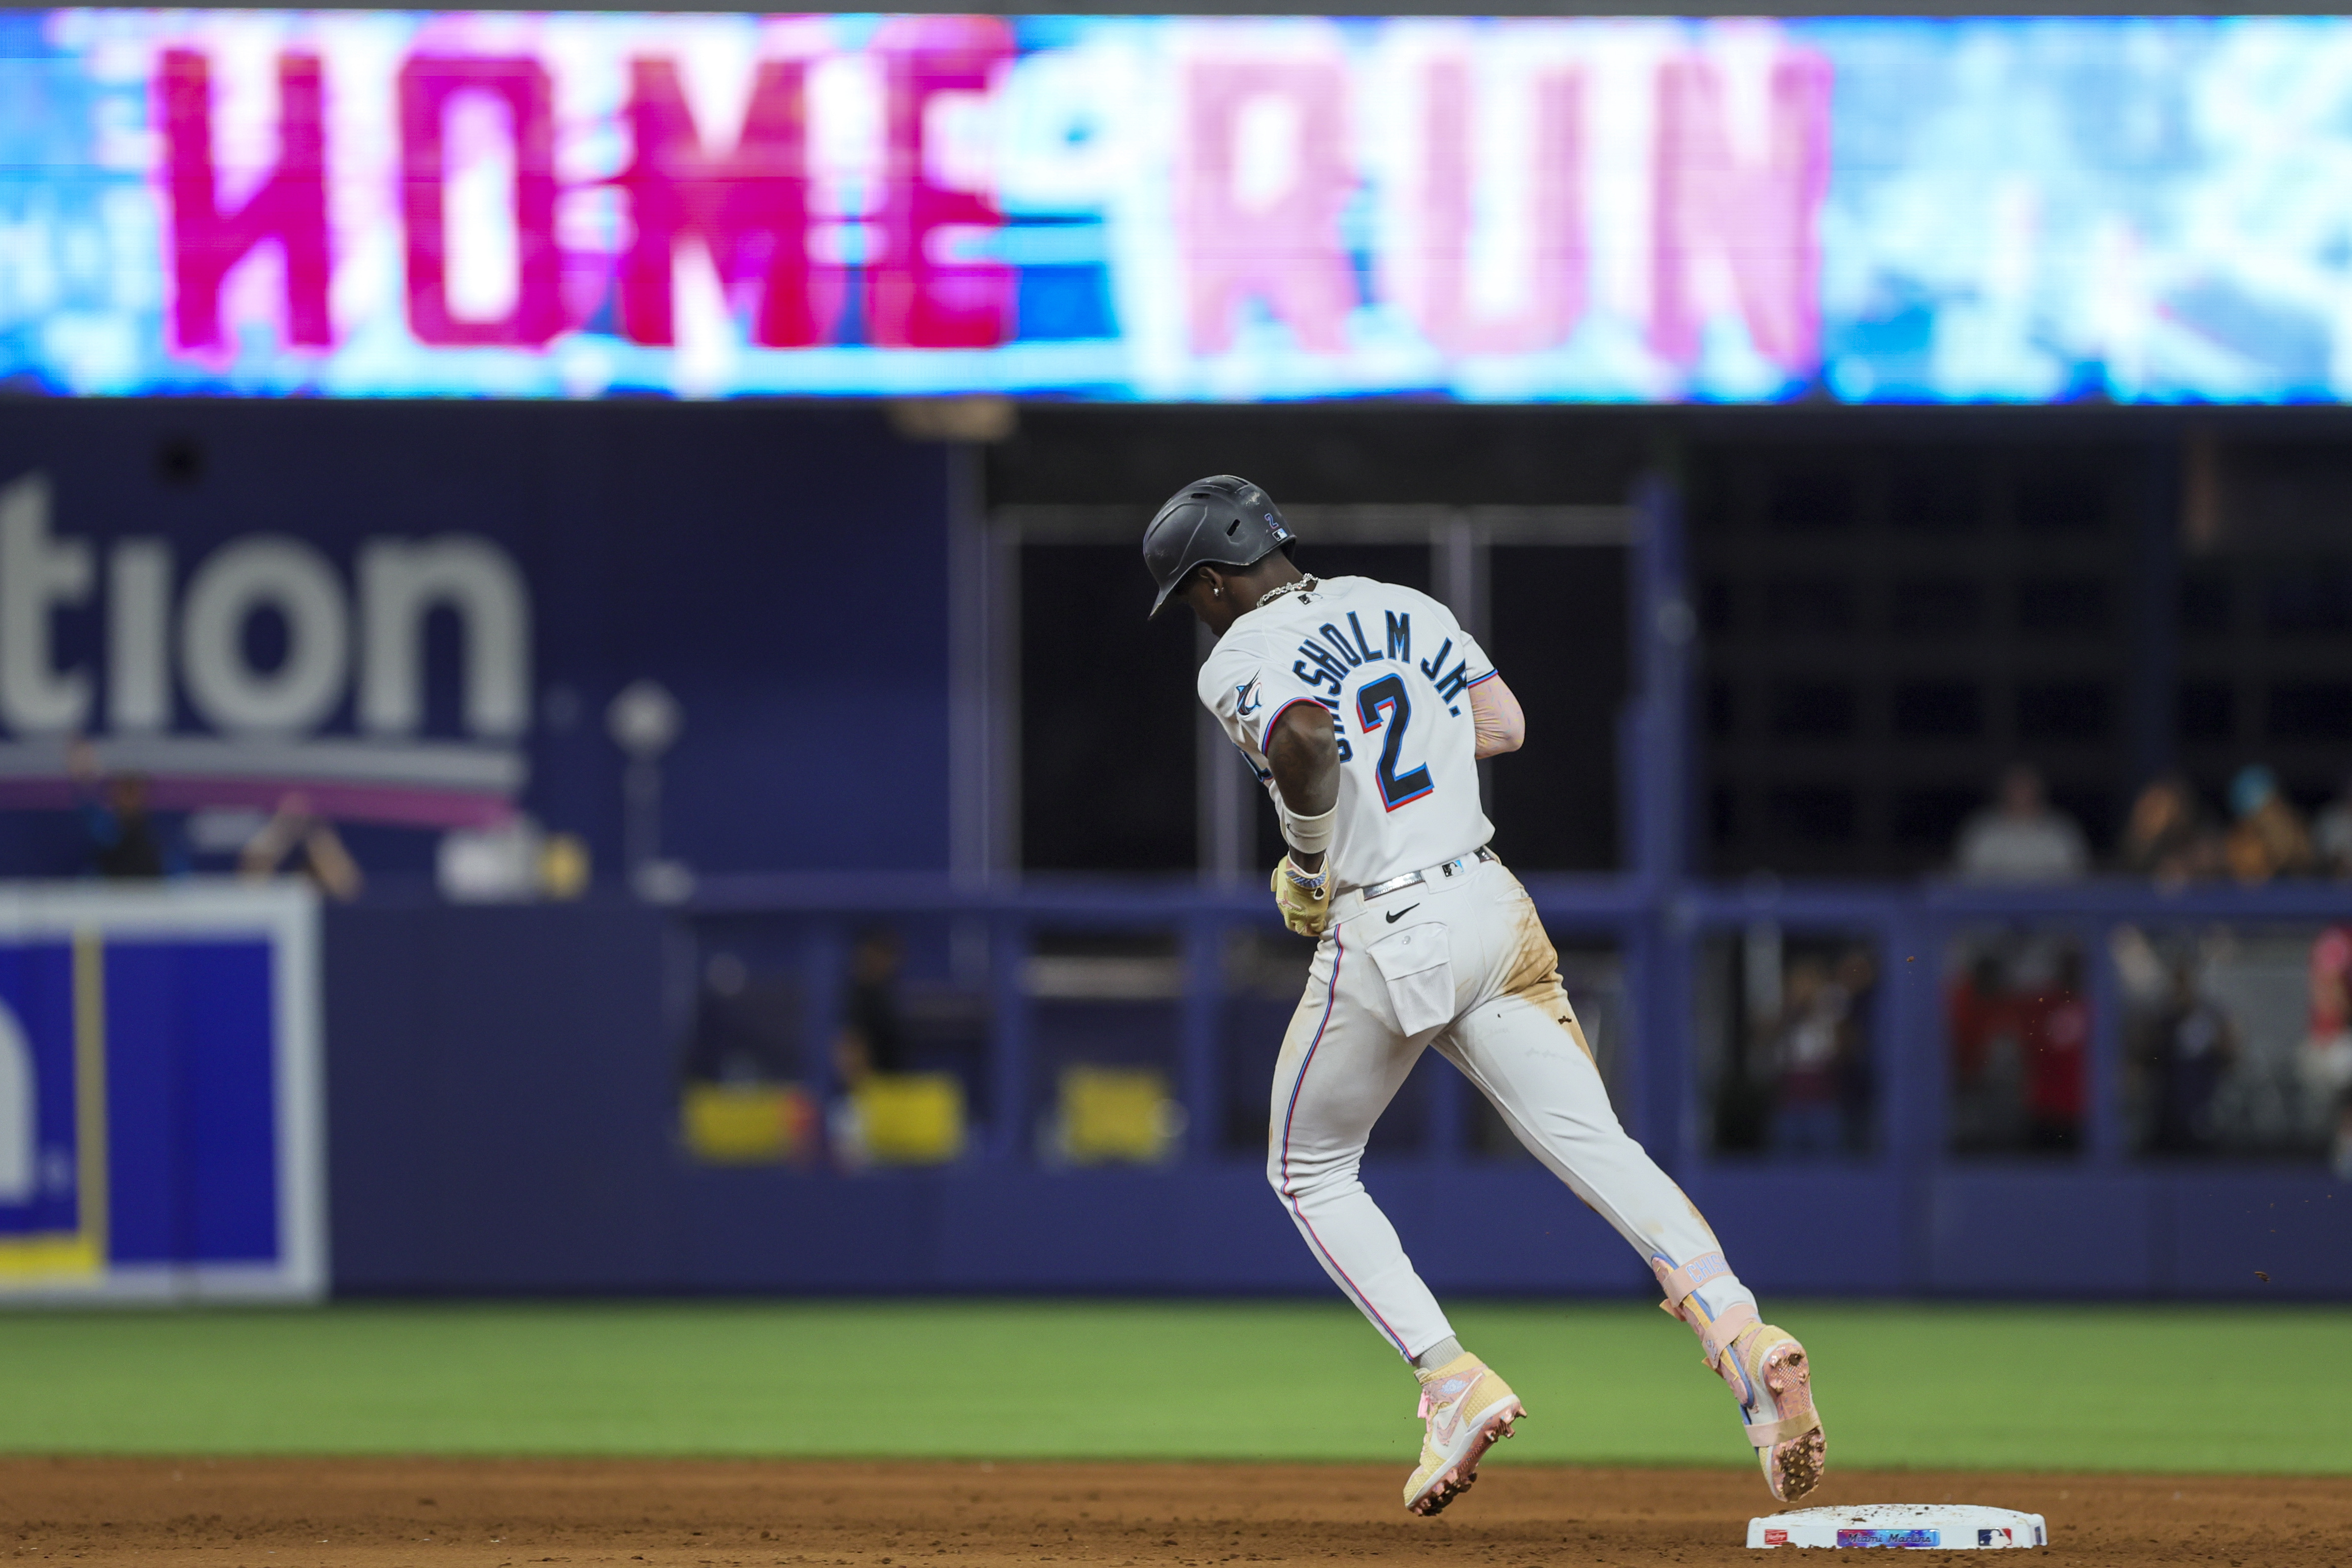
[[1394, 669], [1461, 964]]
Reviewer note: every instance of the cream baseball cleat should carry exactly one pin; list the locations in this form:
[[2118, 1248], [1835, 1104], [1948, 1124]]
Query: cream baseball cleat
[[1770, 1375], [1469, 1410], [1766, 1369]]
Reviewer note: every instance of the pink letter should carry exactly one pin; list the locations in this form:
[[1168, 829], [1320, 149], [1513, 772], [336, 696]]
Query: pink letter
[[1264, 220], [426, 84], [1760, 218], [919, 294], [750, 209], [1555, 298], [290, 206]]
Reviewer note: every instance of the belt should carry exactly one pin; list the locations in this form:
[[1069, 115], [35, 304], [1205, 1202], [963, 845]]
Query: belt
[[1460, 866]]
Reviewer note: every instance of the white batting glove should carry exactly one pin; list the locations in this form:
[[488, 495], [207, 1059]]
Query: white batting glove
[[1303, 898]]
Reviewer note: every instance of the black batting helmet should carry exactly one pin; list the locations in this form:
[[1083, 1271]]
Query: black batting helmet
[[1221, 520]]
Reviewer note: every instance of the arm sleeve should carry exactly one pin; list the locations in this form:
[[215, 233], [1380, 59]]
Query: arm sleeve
[[1495, 717]]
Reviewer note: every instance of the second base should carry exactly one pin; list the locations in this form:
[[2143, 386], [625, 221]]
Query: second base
[[1947, 1527]]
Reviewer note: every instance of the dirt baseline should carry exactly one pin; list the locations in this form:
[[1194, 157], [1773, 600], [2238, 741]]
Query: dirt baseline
[[801, 1514]]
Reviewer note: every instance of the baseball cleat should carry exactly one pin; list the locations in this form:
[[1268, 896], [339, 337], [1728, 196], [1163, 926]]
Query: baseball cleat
[[1771, 1377], [1469, 1410]]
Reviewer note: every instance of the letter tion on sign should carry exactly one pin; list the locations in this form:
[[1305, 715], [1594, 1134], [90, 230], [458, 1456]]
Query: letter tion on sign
[[340, 713]]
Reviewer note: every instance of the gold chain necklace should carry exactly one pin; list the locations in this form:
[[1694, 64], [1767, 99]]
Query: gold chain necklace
[[1304, 585]]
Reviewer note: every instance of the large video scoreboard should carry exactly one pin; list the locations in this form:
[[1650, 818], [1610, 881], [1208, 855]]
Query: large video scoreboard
[[374, 204]]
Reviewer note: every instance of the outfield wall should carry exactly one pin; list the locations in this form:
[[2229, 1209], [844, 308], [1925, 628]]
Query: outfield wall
[[504, 1112]]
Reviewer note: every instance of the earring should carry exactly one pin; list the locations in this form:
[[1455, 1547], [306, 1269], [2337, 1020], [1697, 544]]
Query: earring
[[1216, 593]]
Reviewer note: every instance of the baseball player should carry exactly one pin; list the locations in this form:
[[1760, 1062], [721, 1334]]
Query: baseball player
[[1364, 708]]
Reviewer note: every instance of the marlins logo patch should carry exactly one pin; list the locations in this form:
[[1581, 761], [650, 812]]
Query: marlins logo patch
[[1247, 697]]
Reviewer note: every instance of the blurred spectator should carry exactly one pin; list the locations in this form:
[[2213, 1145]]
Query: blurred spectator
[[874, 1034], [310, 841], [2166, 838], [1797, 1080], [1982, 1019], [124, 845], [2021, 838], [2054, 1028], [2327, 1047], [2268, 840], [2331, 835], [747, 1026], [1975, 1012], [2193, 1042], [1806, 1051], [1857, 974]]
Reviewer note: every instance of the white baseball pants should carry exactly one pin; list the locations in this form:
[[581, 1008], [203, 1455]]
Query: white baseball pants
[[1463, 964]]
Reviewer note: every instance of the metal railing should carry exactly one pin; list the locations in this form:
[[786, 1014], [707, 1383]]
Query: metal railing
[[1659, 931]]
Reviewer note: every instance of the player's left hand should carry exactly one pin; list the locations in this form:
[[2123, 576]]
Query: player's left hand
[[1305, 900]]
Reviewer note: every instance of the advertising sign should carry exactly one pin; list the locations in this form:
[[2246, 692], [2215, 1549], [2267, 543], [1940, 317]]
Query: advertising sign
[[259, 736], [411, 204], [416, 616], [160, 1125]]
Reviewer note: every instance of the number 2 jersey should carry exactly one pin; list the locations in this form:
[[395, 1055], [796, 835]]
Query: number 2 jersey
[[1393, 669]]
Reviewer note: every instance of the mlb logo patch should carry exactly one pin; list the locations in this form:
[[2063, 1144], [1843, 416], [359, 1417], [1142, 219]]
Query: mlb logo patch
[[1987, 1537]]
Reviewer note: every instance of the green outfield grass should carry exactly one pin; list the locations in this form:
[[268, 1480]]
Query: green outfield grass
[[2059, 1388]]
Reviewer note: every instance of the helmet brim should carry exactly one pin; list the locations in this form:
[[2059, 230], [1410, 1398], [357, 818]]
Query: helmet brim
[[1175, 584]]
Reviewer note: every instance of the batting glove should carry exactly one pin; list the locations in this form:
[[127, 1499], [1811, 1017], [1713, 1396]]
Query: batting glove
[[1303, 898]]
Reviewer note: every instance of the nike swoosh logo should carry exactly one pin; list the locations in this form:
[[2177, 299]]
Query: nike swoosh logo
[[1402, 912]]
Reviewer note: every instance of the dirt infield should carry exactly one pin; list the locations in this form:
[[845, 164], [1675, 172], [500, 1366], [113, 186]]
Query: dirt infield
[[382, 1513]]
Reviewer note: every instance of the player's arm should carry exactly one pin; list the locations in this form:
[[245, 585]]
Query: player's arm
[[1303, 751], [1496, 718]]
